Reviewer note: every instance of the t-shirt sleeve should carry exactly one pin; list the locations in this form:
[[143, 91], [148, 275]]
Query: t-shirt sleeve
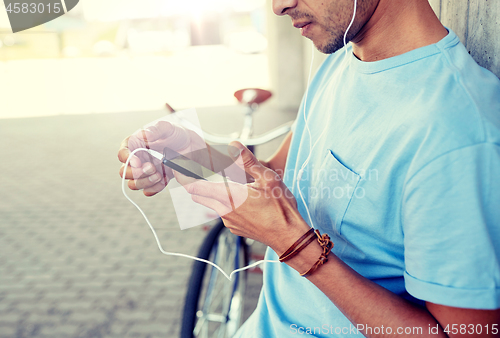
[[451, 224]]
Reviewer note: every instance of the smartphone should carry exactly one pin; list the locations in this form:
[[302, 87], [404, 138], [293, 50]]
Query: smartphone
[[185, 166]]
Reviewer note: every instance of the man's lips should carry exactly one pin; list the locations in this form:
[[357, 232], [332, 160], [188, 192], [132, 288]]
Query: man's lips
[[301, 24], [304, 27]]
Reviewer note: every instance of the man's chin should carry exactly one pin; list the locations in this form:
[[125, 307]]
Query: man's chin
[[326, 48], [329, 47]]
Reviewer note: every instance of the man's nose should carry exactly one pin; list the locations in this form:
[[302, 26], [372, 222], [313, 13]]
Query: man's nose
[[280, 7]]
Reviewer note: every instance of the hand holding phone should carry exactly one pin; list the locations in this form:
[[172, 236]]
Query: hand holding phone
[[184, 165], [205, 163]]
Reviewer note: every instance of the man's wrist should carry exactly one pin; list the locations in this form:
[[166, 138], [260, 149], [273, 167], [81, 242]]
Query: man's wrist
[[306, 253], [289, 233], [306, 258]]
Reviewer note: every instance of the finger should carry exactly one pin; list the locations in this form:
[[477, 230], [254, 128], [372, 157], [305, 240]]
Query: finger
[[147, 169], [230, 194], [130, 173], [158, 187], [235, 171], [215, 205], [248, 162], [124, 153], [183, 179], [143, 183], [212, 190], [162, 130]]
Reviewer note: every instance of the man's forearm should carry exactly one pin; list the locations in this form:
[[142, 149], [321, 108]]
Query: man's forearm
[[362, 301]]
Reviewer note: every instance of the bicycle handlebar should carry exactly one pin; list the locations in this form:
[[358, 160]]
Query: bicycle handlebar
[[251, 98], [251, 141]]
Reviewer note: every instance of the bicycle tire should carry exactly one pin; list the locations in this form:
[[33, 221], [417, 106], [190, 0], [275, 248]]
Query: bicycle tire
[[198, 280]]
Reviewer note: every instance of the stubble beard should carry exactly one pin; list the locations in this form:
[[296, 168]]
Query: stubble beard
[[334, 25], [335, 33], [334, 43]]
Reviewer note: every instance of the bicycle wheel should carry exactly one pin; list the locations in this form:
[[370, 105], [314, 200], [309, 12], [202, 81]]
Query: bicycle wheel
[[214, 305]]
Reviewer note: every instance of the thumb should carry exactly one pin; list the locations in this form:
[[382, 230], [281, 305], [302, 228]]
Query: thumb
[[244, 158]]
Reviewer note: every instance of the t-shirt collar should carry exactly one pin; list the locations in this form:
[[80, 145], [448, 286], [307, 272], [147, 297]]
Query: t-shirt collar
[[449, 40]]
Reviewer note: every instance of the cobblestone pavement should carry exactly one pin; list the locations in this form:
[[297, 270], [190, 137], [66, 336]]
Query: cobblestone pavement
[[76, 258]]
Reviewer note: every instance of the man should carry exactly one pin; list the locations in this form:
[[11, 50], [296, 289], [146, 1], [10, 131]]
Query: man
[[399, 143]]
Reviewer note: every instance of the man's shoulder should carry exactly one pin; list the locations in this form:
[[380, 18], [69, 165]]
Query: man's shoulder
[[478, 89], [456, 103]]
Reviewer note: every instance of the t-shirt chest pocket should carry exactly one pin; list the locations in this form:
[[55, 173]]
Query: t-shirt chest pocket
[[330, 193]]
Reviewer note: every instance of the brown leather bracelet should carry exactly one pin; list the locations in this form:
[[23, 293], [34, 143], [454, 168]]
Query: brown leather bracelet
[[327, 245], [293, 250]]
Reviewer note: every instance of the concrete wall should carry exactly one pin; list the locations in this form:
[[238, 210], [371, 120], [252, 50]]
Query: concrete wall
[[477, 24]]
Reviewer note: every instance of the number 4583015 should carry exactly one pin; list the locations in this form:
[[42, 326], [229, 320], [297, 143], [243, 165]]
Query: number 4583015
[[33, 8], [471, 329]]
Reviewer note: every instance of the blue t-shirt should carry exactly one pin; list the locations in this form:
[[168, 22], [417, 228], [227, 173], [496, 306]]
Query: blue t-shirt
[[403, 176]]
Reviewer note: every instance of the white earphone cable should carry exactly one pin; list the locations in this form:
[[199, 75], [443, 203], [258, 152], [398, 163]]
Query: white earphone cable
[[350, 24], [306, 118], [155, 154]]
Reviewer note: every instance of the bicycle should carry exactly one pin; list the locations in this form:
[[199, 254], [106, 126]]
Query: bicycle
[[213, 305]]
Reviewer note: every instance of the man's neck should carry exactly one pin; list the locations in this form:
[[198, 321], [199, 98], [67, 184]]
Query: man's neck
[[397, 27]]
